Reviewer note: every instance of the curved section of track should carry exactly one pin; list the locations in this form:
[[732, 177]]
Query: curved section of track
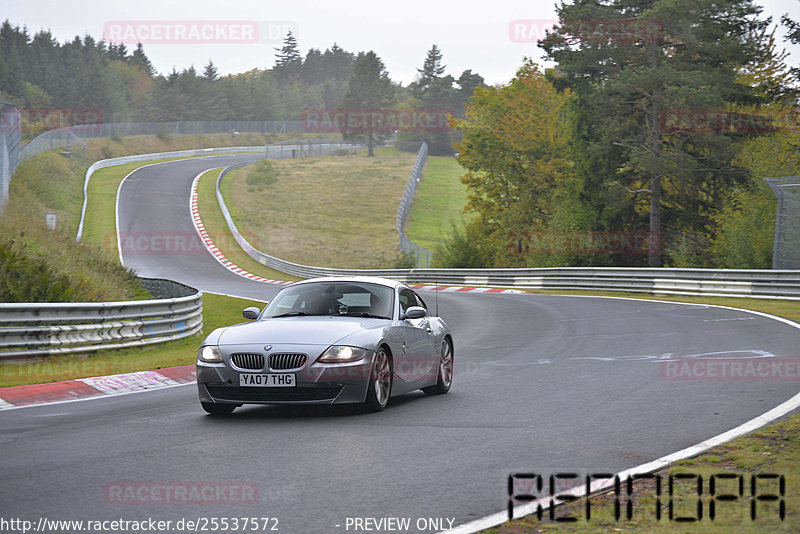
[[543, 384]]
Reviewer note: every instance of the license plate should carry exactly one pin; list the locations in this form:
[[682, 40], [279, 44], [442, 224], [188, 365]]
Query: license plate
[[283, 380]]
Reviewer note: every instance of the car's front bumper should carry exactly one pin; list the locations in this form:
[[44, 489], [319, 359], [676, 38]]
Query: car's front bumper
[[315, 384]]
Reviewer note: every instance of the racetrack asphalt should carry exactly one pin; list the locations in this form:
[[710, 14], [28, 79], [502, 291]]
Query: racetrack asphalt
[[543, 384]]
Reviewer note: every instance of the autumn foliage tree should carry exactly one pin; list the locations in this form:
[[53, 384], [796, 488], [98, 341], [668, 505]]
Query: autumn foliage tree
[[515, 151]]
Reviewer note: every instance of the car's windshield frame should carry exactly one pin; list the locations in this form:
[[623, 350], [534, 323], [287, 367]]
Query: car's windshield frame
[[323, 298]]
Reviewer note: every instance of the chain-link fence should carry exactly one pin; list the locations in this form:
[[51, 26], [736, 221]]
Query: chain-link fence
[[786, 250], [71, 138], [421, 255], [9, 147]]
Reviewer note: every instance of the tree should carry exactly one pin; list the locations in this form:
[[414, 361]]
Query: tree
[[338, 63], [432, 69], [516, 153], [313, 67], [140, 59], [434, 92], [210, 71], [467, 83], [288, 60], [368, 89], [657, 56]]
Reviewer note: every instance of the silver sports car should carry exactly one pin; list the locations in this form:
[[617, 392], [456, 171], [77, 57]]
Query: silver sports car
[[327, 341]]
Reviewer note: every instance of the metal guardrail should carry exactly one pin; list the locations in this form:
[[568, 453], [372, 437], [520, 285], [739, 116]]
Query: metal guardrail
[[659, 281], [422, 255], [47, 329]]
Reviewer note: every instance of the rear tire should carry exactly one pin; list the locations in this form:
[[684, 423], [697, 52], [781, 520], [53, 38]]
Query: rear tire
[[445, 376], [217, 409], [380, 382]]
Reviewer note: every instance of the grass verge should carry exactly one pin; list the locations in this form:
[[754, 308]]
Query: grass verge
[[329, 211], [217, 229], [438, 204]]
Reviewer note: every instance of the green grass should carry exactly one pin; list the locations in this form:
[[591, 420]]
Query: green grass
[[324, 211], [438, 203], [52, 183], [217, 311]]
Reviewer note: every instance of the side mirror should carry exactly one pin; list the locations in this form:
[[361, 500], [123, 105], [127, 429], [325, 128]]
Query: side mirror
[[415, 312], [251, 313]]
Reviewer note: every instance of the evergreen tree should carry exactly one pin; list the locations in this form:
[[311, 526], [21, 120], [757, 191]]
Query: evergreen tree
[[312, 70], [139, 59], [431, 70], [661, 55], [210, 71], [337, 63], [288, 60], [467, 83], [369, 88]]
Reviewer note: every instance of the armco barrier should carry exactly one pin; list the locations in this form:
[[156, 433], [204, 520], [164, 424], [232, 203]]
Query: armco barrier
[[662, 281], [46, 329]]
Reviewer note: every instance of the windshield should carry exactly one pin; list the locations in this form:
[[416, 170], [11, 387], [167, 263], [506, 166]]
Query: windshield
[[356, 299]]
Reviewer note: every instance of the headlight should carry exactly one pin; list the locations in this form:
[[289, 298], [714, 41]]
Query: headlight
[[209, 353], [342, 354]]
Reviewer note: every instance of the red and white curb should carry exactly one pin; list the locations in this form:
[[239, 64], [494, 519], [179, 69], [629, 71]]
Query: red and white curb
[[468, 289], [209, 243], [97, 386]]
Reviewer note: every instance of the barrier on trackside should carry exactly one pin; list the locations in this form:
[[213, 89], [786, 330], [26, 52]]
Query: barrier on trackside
[[665, 281], [53, 328]]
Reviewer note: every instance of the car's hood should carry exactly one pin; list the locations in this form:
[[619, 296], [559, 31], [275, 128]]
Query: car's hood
[[301, 330]]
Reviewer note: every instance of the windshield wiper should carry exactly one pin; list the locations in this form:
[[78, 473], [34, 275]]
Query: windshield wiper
[[366, 314], [289, 314]]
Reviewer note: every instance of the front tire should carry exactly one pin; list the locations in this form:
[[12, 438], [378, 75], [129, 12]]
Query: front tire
[[445, 376], [214, 408], [380, 382]]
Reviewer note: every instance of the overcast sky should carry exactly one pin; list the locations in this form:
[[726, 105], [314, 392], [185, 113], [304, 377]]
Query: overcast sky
[[481, 36]]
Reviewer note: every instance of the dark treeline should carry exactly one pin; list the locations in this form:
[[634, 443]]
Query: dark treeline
[[36, 71]]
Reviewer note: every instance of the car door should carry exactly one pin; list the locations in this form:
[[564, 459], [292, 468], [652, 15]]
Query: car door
[[415, 363], [431, 354]]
